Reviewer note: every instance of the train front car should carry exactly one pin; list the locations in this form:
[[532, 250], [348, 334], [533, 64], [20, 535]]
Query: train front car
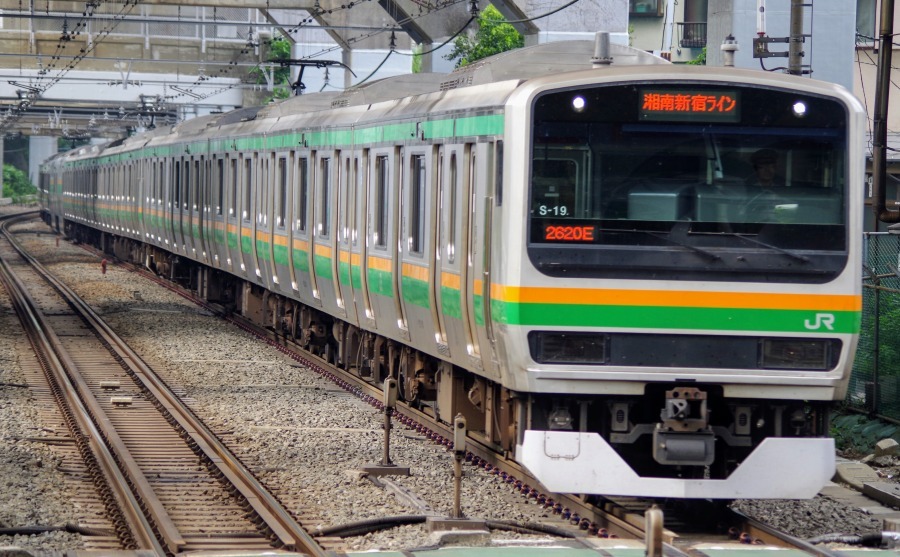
[[687, 304]]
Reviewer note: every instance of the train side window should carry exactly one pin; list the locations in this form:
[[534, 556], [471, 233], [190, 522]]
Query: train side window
[[187, 187], [176, 185], [220, 185], [357, 179], [344, 203], [263, 190], [417, 204], [198, 184], [282, 181], [248, 174], [451, 217], [324, 197], [301, 205], [234, 187], [381, 201]]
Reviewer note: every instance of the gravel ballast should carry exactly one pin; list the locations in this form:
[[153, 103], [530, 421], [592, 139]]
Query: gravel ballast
[[304, 436]]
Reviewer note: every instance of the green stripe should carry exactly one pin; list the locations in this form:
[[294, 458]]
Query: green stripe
[[478, 306], [451, 302], [380, 282], [449, 127], [343, 273], [480, 125], [262, 250], [640, 317], [323, 267], [415, 291], [281, 254], [301, 260]]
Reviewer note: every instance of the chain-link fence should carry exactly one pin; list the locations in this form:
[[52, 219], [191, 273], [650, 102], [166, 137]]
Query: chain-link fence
[[875, 383]]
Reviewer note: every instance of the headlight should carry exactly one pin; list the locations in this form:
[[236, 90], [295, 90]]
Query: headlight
[[550, 347], [795, 353]]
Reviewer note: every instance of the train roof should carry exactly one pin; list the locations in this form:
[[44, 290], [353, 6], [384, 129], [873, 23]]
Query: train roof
[[542, 60], [518, 64], [515, 65], [312, 102]]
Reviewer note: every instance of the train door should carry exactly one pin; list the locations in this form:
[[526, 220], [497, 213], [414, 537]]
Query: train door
[[205, 221], [233, 214], [145, 199], [481, 160], [302, 277], [188, 206], [216, 236], [281, 180], [358, 243], [417, 246], [177, 187], [452, 190], [184, 207], [263, 222], [346, 211], [381, 255], [324, 237], [248, 229], [140, 202], [120, 192], [170, 204]]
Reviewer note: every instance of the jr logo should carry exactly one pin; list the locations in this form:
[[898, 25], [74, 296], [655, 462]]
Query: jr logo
[[822, 319]]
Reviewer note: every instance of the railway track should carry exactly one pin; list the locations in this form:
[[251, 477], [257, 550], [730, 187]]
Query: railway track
[[584, 516], [169, 483]]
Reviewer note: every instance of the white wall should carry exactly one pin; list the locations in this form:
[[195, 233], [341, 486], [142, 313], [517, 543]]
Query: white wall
[[830, 50]]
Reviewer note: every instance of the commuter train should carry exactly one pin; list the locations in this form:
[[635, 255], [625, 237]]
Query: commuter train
[[566, 252]]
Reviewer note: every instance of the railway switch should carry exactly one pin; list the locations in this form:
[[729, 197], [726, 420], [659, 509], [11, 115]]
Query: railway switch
[[387, 468]]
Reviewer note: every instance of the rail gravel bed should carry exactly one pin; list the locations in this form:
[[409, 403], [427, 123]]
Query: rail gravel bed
[[304, 436]]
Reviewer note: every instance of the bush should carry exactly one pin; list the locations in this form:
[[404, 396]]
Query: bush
[[858, 434], [16, 184]]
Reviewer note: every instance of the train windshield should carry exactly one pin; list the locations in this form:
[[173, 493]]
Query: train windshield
[[688, 182]]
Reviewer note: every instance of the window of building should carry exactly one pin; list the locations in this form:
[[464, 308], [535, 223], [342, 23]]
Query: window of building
[[865, 21], [646, 7]]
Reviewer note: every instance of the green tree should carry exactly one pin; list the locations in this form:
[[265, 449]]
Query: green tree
[[700, 60], [417, 58], [279, 49], [494, 36], [16, 183]]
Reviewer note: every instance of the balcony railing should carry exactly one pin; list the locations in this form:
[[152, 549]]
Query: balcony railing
[[692, 34]]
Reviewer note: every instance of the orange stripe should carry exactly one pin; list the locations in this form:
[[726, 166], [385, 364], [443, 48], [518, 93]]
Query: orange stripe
[[323, 251], [379, 263], [417, 272], [675, 298], [450, 280]]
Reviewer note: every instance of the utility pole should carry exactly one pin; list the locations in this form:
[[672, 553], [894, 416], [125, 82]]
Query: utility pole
[[795, 40], [879, 136], [795, 46]]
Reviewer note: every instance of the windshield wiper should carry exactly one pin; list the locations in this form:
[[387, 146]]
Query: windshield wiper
[[706, 253], [748, 239]]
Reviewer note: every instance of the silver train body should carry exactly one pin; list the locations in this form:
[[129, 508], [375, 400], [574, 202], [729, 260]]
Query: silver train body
[[569, 256]]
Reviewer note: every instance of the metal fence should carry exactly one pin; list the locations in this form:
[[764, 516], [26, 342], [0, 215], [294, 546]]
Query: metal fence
[[875, 383]]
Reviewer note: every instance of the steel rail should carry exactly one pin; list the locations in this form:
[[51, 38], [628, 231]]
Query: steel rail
[[618, 520], [286, 529], [44, 340]]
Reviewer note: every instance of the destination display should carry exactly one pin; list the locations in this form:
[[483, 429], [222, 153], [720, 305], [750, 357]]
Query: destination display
[[685, 105]]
